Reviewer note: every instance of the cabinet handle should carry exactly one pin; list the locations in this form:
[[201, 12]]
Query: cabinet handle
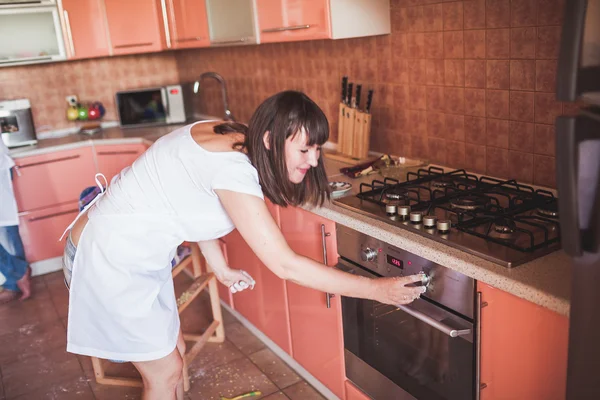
[[229, 41], [163, 6], [69, 33], [324, 234], [49, 161], [478, 385], [190, 39], [286, 28], [113, 153], [124, 46], [53, 215]]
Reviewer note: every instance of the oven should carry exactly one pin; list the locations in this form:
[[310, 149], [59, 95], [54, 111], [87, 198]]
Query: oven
[[425, 350]]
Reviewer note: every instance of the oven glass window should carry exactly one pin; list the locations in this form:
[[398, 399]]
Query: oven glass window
[[144, 107], [9, 124], [423, 361]]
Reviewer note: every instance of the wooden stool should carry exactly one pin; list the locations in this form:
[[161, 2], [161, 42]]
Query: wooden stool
[[214, 333]]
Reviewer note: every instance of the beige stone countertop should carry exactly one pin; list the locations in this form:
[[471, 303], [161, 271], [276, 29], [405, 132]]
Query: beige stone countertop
[[545, 281]]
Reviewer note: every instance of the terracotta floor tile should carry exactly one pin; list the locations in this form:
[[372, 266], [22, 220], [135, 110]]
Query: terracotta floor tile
[[106, 392], [17, 315], [32, 339], [76, 389], [302, 391], [228, 317], [215, 354], [38, 371], [1, 389], [277, 396], [277, 371], [60, 296], [243, 339], [233, 379]]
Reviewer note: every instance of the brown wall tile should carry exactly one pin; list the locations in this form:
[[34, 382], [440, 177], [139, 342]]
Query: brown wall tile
[[547, 108], [417, 72], [497, 133], [418, 97], [523, 12], [475, 44], [385, 93], [498, 74], [522, 42], [435, 72], [520, 166], [475, 130], [435, 99], [398, 46], [497, 162], [475, 73], [548, 42], [433, 16], [522, 106], [415, 19], [474, 14], [475, 102], [453, 16], [436, 124], [544, 171], [419, 146], [498, 43], [544, 140], [434, 45], [437, 150], [475, 158], [453, 44], [455, 73], [522, 74], [455, 155], [545, 75], [520, 136], [399, 20], [497, 104], [455, 127], [550, 12], [454, 99], [401, 96], [497, 13], [415, 45], [417, 122]]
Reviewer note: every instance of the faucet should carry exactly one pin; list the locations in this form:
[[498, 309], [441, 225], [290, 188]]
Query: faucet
[[221, 80]]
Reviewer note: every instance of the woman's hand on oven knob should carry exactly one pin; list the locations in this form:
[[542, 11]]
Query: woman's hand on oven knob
[[394, 290]]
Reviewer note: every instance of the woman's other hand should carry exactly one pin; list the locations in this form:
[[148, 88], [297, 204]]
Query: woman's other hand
[[394, 290], [236, 279]]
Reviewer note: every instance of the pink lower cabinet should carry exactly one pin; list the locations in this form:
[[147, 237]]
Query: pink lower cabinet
[[41, 230], [354, 393], [316, 329], [112, 159], [50, 179]]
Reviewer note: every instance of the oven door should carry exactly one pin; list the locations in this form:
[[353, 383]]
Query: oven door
[[419, 351]]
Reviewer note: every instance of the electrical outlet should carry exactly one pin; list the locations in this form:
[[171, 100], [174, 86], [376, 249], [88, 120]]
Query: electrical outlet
[[72, 100]]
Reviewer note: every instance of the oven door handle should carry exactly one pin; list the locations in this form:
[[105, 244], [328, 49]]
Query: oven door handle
[[434, 323]]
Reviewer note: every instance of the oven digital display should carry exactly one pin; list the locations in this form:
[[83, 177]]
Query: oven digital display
[[395, 262]]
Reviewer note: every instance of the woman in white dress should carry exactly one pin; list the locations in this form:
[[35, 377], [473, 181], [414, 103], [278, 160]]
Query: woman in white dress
[[197, 184]]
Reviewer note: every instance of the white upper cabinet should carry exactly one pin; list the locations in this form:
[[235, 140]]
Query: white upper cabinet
[[232, 22]]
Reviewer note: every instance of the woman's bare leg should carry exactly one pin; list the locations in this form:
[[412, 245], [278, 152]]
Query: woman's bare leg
[[161, 377]]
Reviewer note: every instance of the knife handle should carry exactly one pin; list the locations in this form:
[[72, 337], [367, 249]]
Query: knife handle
[[349, 101], [344, 88], [358, 91], [369, 101]]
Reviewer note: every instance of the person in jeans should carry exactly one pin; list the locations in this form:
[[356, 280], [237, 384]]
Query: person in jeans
[[13, 266]]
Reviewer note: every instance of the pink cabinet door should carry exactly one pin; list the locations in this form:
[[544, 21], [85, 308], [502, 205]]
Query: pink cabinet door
[[317, 337], [50, 179], [293, 20], [188, 24], [135, 26], [112, 159], [354, 393], [41, 229], [523, 348], [85, 28]]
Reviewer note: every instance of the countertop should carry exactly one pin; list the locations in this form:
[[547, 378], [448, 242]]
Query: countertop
[[545, 281]]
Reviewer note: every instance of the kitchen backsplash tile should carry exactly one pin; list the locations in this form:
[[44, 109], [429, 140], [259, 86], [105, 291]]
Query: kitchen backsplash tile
[[521, 135]]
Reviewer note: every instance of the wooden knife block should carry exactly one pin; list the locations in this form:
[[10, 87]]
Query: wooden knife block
[[354, 131], [362, 135]]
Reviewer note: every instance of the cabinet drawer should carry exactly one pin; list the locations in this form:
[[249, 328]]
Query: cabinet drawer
[[40, 230], [51, 179], [112, 159]]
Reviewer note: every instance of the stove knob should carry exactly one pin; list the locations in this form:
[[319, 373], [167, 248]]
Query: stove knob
[[444, 225], [404, 211], [390, 209], [368, 254], [416, 217], [429, 221]]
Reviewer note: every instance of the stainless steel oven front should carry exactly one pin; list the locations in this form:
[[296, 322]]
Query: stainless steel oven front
[[426, 350]]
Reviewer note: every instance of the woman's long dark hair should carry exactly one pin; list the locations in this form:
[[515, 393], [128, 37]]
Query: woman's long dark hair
[[284, 115]]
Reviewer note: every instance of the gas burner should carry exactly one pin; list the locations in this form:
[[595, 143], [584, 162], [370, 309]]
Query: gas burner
[[442, 183], [504, 228], [469, 203], [395, 194], [548, 210]]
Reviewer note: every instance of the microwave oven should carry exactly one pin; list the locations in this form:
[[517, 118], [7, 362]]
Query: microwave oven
[[154, 106], [16, 123]]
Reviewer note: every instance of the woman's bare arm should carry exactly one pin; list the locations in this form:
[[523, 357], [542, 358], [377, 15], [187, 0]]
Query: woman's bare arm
[[256, 225]]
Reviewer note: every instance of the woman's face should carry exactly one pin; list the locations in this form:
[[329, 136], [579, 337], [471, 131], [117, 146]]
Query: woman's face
[[299, 157]]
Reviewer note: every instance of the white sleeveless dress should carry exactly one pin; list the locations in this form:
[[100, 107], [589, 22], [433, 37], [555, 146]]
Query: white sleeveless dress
[[122, 303]]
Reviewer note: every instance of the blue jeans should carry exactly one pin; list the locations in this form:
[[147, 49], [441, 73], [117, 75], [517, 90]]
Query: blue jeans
[[12, 256]]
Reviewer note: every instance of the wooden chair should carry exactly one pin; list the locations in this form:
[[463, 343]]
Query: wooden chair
[[214, 333]]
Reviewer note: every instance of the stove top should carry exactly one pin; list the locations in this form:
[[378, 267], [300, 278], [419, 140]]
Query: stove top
[[502, 221]]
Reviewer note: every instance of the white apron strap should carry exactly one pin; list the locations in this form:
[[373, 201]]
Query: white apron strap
[[91, 203]]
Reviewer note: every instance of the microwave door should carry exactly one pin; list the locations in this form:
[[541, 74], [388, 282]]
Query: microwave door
[[165, 102], [579, 57]]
